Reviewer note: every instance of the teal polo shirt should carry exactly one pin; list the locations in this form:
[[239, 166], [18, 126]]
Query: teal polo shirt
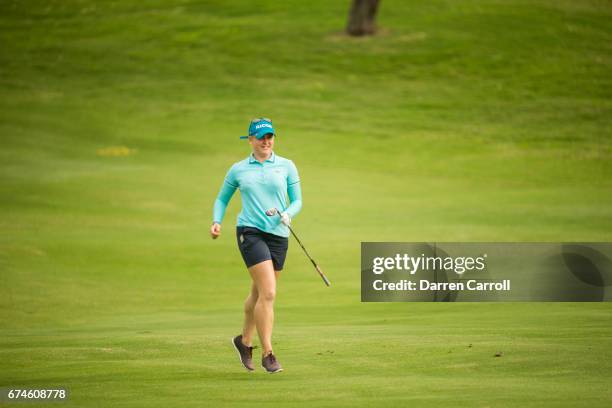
[[262, 186]]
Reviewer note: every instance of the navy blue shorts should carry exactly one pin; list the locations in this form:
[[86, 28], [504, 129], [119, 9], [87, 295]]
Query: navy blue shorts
[[257, 246]]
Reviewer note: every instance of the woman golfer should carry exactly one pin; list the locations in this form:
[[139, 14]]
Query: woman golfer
[[264, 180]]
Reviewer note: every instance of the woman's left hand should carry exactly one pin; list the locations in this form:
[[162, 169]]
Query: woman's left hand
[[285, 219]]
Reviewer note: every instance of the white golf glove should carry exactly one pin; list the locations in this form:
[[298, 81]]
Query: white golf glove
[[285, 219]]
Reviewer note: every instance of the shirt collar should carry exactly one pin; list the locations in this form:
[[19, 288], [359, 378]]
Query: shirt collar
[[270, 159]]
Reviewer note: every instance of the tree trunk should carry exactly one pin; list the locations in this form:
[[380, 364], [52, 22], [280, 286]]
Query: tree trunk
[[362, 17]]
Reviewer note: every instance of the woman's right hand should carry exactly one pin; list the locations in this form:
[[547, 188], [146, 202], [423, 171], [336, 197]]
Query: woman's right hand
[[215, 230]]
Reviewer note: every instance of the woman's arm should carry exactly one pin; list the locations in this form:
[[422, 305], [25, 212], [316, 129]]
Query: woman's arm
[[294, 191], [223, 198], [295, 197]]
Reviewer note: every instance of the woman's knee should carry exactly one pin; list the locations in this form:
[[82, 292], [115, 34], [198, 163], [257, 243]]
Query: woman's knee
[[267, 295]]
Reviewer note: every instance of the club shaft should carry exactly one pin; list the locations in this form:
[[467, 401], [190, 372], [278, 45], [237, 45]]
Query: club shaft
[[300, 242], [325, 280]]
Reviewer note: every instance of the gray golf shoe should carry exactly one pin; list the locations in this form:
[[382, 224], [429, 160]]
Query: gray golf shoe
[[245, 353], [270, 364]]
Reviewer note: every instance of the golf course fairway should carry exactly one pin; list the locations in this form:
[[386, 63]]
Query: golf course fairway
[[470, 121]]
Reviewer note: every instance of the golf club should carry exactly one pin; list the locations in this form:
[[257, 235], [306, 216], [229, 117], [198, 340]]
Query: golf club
[[273, 211]]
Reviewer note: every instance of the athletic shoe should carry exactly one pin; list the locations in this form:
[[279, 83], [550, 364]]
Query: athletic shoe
[[270, 364], [244, 353]]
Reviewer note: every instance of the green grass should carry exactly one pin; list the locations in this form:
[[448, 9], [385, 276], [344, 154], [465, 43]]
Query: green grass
[[460, 121]]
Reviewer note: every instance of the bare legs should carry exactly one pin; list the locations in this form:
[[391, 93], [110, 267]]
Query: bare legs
[[259, 306], [249, 318]]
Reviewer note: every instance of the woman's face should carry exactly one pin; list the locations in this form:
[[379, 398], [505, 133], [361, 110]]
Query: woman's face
[[262, 147]]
